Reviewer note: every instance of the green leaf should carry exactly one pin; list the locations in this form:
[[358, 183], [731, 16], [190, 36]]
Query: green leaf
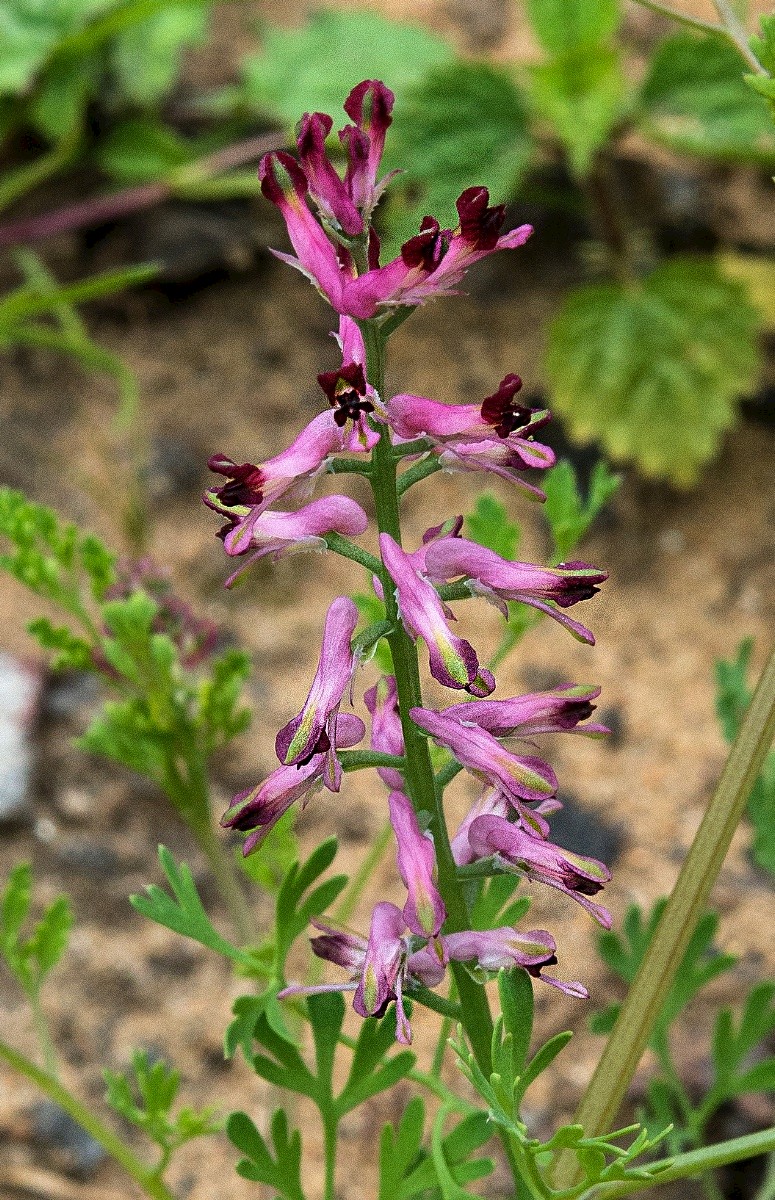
[[142, 150], [294, 910], [463, 124], [287, 79], [146, 58], [71, 653], [51, 936], [184, 912], [399, 1150], [220, 715], [282, 1172], [568, 514], [59, 108], [146, 1101], [542, 1059], [652, 370], [516, 995], [694, 99], [372, 611], [582, 96], [565, 25], [490, 526], [764, 49], [16, 905]]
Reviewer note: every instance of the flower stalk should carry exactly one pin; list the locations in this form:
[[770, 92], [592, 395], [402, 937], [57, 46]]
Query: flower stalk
[[646, 996]]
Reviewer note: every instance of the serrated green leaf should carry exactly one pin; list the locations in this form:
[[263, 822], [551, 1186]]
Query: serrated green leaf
[[462, 125], [653, 370], [489, 525], [694, 100], [146, 58], [287, 80], [566, 25], [581, 95]]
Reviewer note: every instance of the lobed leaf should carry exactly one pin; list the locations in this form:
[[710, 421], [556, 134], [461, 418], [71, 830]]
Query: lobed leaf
[[694, 99], [653, 370]]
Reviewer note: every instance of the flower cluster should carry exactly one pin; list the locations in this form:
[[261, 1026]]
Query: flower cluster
[[409, 948]]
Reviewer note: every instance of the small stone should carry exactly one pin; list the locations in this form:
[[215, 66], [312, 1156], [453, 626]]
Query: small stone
[[20, 689], [74, 803], [89, 858], [70, 1148]]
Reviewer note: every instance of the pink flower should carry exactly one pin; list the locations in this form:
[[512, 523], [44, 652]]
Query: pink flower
[[251, 489], [542, 861], [548, 589], [559, 711], [520, 777], [453, 661], [424, 910], [505, 948], [386, 732], [312, 731], [276, 534], [258, 809]]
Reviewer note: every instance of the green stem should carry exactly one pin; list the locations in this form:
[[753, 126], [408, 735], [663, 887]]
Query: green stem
[[43, 1035], [222, 866], [356, 760], [675, 14], [329, 1142], [347, 549], [419, 471], [475, 1015], [145, 1176], [736, 34], [663, 957], [690, 1165]]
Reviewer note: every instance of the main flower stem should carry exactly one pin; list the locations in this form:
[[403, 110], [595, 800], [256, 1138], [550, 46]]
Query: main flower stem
[[475, 1015], [663, 957], [146, 1177]]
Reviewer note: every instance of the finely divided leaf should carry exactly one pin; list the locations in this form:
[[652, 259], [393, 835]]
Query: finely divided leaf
[[490, 526], [653, 370], [568, 514], [282, 1172]]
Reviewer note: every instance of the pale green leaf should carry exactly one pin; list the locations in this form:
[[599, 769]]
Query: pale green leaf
[[581, 96], [567, 25], [695, 100], [288, 79], [652, 370]]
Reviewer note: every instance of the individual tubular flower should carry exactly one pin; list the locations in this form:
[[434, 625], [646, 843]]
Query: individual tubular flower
[[498, 415], [493, 803], [275, 534], [258, 809], [250, 489], [505, 947], [312, 730], [549, 589], [381, 968], [541, 861], [386, 733], [424, 910], [558, 711], [453, 661], [326, 189], [370, 106], [520, 777]]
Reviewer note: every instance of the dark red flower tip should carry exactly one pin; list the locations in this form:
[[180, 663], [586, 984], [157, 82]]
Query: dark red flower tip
[[479, 224], [370, 103], [500, 410], [281, 175], [245, 484], [346, 389], [427, 249]]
